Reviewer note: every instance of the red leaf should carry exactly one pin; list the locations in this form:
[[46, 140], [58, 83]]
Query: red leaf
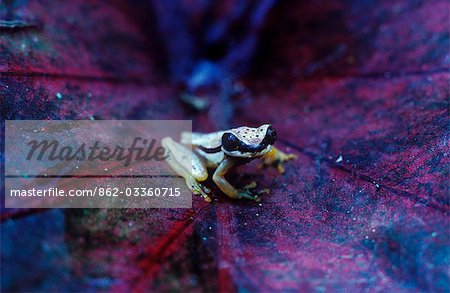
[[357, 89]]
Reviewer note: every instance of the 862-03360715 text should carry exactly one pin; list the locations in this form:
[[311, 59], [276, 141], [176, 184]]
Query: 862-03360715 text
[[99, 191]]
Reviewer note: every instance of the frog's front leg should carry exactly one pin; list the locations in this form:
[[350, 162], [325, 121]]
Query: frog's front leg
[[276, 157], [187, 164], [219, 178]]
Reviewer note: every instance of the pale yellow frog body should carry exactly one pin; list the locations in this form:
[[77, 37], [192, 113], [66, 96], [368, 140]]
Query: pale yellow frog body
[[220, 152]]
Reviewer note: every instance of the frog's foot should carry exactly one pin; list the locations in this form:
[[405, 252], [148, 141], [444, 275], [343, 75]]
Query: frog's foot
[[276, 158], [198, 188], [248, 193]]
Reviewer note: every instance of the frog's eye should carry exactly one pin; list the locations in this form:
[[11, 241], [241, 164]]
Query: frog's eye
[[271, 135], [230, 142]]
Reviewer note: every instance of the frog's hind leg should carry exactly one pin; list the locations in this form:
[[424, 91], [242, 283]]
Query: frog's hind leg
[[187, 164]]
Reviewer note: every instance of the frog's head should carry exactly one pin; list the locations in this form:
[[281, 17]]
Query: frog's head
[[248, 142]]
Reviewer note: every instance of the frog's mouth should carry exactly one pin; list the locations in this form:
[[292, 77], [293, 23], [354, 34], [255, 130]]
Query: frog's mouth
[[248, 153]]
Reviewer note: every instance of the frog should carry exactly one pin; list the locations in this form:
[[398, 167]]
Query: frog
[[220, 152]]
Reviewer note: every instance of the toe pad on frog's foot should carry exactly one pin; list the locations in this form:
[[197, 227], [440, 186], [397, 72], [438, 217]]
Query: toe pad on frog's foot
[[207, 199]]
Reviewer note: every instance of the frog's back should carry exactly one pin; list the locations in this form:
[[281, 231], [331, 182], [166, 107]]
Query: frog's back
[[208, 141]]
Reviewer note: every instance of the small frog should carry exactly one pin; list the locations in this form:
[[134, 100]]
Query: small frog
[[221, 151]]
